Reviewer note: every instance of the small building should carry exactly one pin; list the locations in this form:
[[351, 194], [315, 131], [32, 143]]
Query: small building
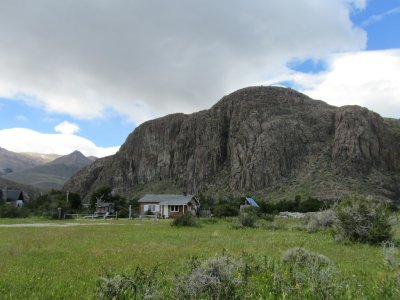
[[14, 196], [248, 202], [168, 206]]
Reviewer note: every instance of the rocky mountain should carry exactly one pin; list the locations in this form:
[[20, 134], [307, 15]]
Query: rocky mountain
[[14, 162], [268, 141], [52, 174]]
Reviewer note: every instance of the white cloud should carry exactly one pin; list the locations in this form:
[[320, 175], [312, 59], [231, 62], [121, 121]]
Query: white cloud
[[21, 118], [148, 58], [377, 18], [358, 4], [66, 127], [366, 78], [27, 140]]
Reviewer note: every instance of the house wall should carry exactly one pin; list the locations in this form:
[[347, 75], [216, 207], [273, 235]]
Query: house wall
[[143, 210], [178, 213]]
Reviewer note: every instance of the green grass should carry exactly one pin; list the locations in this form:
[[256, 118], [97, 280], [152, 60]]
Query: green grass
[[66, 262]]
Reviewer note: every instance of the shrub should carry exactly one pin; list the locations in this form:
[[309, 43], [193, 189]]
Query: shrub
[[310, 205], [140, 285], [248, 220], [392, 257], [225, 210], [310, 272], [216, 278], [320, 220], [249, 216], [186, 220], [11, 211], [305, 258], [363, 220]]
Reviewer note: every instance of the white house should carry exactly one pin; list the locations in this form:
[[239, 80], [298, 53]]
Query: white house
[[167, 206]]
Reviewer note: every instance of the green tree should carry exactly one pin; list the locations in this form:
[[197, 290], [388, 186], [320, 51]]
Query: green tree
[[365, 220]]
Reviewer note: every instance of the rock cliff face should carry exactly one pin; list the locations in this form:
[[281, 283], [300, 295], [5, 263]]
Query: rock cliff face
[[256, 139]]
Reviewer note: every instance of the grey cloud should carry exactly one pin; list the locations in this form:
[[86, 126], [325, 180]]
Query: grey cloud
[[151, 57]]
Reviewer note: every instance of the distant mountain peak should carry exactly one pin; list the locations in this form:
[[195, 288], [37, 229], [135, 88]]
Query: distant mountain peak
[[74, 158], [52, 174]]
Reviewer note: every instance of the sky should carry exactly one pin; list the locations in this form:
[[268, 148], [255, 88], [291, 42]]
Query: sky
[[83, 74]]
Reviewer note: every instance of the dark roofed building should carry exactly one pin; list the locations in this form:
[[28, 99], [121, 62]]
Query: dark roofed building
[[14, 196], [167, 206], [248, 202]]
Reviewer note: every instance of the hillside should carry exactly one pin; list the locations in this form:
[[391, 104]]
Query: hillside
[[14, 162], [53, 174], [32, 191], [268, 141]]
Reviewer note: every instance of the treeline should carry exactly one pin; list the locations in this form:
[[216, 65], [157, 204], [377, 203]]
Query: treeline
[[230, 206], [49, 205]]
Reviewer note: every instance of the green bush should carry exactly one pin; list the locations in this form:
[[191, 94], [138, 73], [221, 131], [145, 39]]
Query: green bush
[[320, 220], [225, 210], [186, 220], [11, 211], [219, 277], [363, 220], [249, 216], [248, 220], [298, 204], [311, 275], [139, 285]]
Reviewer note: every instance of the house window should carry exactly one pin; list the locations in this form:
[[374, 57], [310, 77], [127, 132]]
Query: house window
[[151, 207], [174, 208]]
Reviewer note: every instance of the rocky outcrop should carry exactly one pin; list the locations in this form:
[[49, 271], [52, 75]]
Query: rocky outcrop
[[362, 142], [254, 139]]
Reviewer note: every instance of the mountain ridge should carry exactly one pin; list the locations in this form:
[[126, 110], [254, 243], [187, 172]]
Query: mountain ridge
[[51, 175]]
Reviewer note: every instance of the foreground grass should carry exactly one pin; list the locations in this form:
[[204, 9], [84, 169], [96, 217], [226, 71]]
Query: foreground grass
[[66, 262]]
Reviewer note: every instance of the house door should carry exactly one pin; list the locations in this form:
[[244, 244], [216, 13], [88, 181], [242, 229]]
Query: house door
[[165, 211]]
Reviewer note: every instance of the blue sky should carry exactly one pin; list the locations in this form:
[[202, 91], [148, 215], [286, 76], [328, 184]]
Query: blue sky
[[94, 72]]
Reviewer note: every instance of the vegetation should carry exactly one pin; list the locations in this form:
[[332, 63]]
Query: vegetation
[[139, 285], [106, 194], [309, 204], [187, 220], [11, 211], [226, 208], [47, 205], [85, 262], [249, 216], [320, 220], [363, 220]]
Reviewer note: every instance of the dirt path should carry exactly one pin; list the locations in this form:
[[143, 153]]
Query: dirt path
[[57, 225]]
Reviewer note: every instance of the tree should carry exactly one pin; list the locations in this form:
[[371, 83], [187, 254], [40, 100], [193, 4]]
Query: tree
[[361, 219], [103, 193], [74, 201], [106, 195]]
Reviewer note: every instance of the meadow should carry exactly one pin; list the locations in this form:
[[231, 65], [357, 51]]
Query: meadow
[[67, 262]]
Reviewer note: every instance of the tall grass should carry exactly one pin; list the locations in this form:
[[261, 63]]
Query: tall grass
[[66, 263]]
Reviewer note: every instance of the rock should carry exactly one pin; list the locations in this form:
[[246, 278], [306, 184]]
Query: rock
[[256, 139]]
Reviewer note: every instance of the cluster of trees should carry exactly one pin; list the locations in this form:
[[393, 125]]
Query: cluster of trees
[[121, 204], [49, 204], [44, 205]]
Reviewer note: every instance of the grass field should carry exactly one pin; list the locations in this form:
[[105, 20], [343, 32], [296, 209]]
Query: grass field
[[66, 262]]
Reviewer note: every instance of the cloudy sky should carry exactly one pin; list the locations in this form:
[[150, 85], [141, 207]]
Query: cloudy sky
[[82, 74]]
